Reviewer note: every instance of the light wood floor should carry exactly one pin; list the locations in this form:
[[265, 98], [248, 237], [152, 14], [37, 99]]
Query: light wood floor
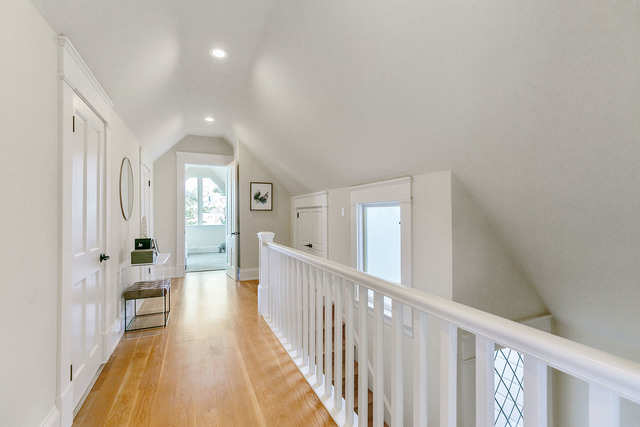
[[216, 364]]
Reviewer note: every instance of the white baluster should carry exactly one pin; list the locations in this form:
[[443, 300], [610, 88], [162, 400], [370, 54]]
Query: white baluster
[[299, 310], [378, 361], [319, 328], [328, 344], [304, 282], [485, 387], [535, 392], [295, 309], [287, 302], [312, 321], [448, 373], [337, 389], [420, 375], [397, 378], [604, 407], [348, 354], [363, 359]]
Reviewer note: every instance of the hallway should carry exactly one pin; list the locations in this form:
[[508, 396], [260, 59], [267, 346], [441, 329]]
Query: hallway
[[216, 363]]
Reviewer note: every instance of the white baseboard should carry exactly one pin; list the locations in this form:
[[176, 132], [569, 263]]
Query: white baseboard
[[112, 338], [64, 406], [248, 274], [52, 419]]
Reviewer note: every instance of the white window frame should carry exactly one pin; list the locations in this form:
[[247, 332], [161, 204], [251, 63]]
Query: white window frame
[[392, 192]]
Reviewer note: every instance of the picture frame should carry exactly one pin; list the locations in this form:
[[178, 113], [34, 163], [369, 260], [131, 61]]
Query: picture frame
[[260, 196]]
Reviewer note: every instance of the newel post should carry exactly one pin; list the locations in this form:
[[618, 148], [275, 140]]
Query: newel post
[[264, 237]]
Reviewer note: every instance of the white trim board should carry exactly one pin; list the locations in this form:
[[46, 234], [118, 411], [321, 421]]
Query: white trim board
[[248, 274], [52, 419], [183, 158]]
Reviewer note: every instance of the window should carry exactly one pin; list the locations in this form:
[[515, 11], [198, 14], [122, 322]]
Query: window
[[381, 245], [509, 377], [381, 241], [381, 230], [204, 203]]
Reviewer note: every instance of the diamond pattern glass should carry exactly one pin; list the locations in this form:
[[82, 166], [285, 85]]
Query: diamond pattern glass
[[509, 396]]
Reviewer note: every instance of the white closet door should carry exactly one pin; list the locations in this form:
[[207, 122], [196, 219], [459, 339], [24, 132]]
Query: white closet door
[[309, 230], [88, 243]]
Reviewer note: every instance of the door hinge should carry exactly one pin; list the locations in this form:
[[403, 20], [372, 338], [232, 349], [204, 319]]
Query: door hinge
[[73, 124], [149, 183], [297, 214], [71, 372]]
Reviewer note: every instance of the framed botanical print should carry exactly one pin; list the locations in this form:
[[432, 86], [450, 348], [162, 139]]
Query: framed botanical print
[[261, 196]]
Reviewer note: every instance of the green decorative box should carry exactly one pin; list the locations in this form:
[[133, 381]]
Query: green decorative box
[[144, 256]]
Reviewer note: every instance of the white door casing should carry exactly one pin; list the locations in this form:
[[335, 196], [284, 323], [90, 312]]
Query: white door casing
[[233, 237], [87, 244], [77, 82]]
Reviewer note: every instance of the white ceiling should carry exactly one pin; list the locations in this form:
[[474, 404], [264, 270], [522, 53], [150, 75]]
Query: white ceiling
[[534, 105], [152, 57]]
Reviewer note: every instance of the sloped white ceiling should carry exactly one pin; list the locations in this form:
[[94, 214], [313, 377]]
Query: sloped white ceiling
[[535, 106], [152, 57]]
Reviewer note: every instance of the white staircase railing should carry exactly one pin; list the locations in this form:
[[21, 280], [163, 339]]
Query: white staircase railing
[[297, 290]]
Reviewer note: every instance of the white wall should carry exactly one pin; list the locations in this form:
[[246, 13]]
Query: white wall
[[251, 222], [485, 276], [164, 192], [29, 119], [29, 215], [122, 233]]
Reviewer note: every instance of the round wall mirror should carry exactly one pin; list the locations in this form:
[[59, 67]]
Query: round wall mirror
[[127, 188]]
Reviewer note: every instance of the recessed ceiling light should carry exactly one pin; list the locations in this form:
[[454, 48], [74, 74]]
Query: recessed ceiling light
[[209, 119], [218, 53]]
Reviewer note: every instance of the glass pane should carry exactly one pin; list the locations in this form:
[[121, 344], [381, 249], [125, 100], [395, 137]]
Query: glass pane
[[214, 204], [509, 390], [191, 201], [382, 242]]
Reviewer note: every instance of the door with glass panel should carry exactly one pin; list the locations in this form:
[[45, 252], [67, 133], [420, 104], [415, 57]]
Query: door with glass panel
[[205, 217]]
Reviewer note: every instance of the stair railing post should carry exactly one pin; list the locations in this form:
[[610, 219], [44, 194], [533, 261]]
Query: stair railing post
[[448, 374], [535, 392], [337, 389], [328, 326], [348, 353], [378, 361], [485, 385], [264, 237], [363, 357]]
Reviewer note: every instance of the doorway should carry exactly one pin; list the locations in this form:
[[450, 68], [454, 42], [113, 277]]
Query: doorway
[[205, 217]]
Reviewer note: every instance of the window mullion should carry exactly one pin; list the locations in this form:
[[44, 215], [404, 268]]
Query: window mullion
[[199, 200]]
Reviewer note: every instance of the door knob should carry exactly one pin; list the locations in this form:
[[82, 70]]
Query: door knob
[[309, 245], [235, 233], [104, 257]]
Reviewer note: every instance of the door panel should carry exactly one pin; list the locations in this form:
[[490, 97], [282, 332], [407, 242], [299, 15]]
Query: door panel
[[232, 240], [87, 195], [309, 230]]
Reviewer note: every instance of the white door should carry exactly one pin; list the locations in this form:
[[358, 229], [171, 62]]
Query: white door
[[88, 244], [233, 233], [309, 230]]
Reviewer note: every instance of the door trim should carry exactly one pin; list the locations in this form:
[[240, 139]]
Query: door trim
[[183, 158], [75, 80]]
